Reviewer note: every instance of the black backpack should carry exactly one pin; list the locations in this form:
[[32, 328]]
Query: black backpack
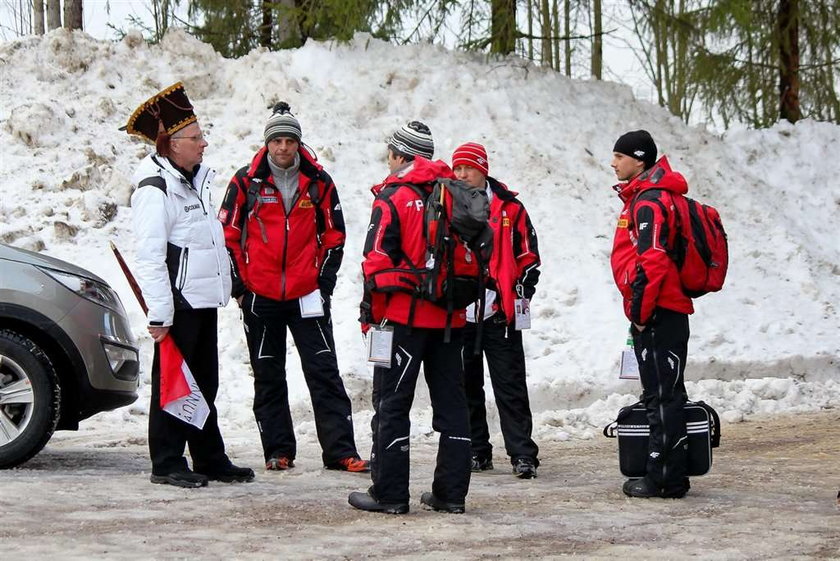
[[444, 281]]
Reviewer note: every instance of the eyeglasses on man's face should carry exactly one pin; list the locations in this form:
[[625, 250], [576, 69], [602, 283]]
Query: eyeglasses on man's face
[[195, 137]]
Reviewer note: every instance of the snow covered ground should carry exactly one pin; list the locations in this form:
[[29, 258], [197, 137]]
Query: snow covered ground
[[768, 343]]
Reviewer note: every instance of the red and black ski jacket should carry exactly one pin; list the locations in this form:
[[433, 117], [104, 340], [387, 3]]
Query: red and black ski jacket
[[395, 250], [284, 256], [644, 271], [514, 264]]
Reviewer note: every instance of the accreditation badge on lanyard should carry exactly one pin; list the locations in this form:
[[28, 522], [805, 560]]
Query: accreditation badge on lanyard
[[380, 343], [628, 366], [522, 310]]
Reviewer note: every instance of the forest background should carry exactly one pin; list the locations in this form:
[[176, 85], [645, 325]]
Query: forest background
[[724, 63]]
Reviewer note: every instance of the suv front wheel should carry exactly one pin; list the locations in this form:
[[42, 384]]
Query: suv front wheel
[[29, 399]]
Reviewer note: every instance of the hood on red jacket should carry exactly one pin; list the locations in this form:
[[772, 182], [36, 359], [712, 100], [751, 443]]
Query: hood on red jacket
[[417, 172], [659, 176], [308, 162]]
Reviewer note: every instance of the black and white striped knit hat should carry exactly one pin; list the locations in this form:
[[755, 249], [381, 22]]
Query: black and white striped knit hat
[[413, 139], [282, 123]]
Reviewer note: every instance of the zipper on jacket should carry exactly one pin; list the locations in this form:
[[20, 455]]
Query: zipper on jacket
[[183, 266], [286, 244]]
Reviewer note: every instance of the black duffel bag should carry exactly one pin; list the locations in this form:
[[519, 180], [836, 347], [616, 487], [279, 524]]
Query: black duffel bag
[[632, 430]]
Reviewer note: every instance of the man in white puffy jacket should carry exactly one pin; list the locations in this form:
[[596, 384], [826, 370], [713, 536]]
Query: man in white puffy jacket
[[184, 274]]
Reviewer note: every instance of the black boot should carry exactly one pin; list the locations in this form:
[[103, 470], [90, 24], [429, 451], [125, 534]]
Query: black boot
[[231, 474], [645, 489], [480, 463], [430, 500], [366, 501], [182, 478]]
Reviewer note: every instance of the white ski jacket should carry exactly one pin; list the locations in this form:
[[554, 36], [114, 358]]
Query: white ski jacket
[[182, 262]]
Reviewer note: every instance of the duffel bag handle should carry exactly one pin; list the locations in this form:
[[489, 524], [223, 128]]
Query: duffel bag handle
[[610, 429], [714, 437]]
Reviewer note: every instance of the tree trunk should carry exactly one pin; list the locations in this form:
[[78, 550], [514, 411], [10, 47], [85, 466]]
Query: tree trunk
[[597, 41], [288, 32], [503, 26], [38, 17], [567, 28], [73, 14], [545, 42], [267, 24], [789, 60], [53, 14], [530, 29]]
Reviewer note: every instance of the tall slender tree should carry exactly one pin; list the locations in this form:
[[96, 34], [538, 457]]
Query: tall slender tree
[[73, 14], [53, 14], [788, 29], [666, 29], [597, 57], [38, 17], [503, 26]]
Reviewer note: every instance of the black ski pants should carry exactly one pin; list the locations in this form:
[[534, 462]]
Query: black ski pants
[[661, 350], [266, 321], [393, 394], [501, 344], [194, 333]]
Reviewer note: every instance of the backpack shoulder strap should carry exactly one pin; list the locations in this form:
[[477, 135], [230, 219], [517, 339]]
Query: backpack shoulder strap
[[252, 194], [315, 197]]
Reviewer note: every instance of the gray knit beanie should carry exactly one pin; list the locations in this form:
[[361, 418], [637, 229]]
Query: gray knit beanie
[[413, 139], [282, 123]]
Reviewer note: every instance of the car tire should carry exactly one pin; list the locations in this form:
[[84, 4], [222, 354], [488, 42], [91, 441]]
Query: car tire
[[30, 399]]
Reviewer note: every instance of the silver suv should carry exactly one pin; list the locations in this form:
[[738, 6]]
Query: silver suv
[[66, 351]]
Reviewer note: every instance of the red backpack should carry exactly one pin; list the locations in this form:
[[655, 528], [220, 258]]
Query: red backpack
[[701, 250]]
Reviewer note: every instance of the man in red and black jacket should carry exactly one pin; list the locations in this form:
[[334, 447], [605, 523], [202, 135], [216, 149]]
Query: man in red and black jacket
[[394, 252], [284, 231], [514, 271], [655, 304]]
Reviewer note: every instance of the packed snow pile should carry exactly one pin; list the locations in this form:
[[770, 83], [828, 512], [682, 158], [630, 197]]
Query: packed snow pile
[[768, 342]]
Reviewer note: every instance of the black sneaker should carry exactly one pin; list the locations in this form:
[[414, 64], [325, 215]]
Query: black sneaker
[[525, 468], [366, 501], [481, 463], [231, 474], [183, 478], [431, 501]]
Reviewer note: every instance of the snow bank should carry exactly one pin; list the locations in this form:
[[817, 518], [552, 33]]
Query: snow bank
[[768, 342]]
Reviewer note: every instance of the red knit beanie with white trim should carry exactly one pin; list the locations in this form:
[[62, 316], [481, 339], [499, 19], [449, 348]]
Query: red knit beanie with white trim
[[471, 154]]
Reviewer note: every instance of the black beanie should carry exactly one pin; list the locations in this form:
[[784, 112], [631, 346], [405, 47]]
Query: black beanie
[[637, 144]]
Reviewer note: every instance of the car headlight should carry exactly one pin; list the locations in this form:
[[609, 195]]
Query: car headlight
[[95, 291]]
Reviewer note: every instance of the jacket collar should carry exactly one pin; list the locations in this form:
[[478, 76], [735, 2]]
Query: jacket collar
[[418, 172], [178, 182], [659, 176], [309, 165], [500, 189]]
